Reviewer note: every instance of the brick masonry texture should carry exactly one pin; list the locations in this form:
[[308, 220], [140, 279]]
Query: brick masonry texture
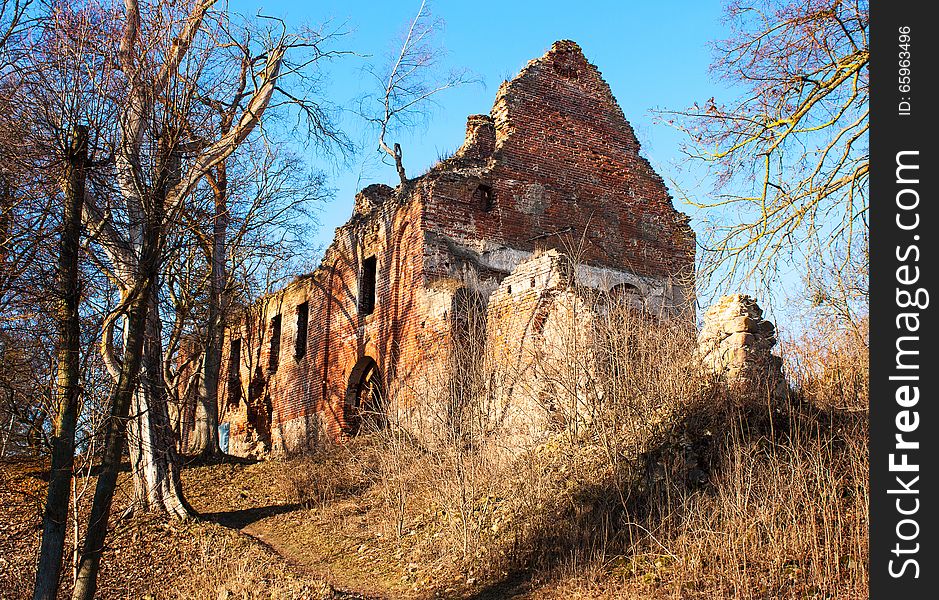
[[549, 185]]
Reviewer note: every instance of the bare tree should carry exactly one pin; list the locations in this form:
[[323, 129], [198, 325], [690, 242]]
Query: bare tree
[[44, 144], [69, 368], [258, 189], [14, 15], [156, 168], [409, 80], [790, 152], [141, 80], [25, 197], [169, 58]]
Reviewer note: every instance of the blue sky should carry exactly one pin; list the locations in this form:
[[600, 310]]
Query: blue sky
[[653, 55]]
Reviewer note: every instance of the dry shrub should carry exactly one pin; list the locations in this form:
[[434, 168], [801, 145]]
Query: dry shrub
[[675, 488], [829, 366], [497, 509], [738, 500], [785, 517], [578, 498], [323, 475], [397, 465]]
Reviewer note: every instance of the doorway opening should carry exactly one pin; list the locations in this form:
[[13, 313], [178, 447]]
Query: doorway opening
[[364, 407]]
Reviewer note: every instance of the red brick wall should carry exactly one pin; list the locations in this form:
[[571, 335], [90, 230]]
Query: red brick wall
[[565, 160], [338, 334]]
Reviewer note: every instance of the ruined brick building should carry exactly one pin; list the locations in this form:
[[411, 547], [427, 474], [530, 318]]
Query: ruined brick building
[[547, 190]]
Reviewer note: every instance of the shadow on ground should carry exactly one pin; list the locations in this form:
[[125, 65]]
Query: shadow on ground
[[516, 584], [199, 460], [238, 519]]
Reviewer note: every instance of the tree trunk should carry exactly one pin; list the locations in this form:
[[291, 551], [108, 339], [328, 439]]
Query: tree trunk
[[154, 460], [140, 309], [207, 413], [63, 442], [115, 428], [399, 165], [205, 436]]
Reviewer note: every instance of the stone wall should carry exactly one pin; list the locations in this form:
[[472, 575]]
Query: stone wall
[[539, 346], [302, 393]]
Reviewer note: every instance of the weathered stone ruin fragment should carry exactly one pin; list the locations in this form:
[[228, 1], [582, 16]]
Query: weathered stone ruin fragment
[[736, 342]]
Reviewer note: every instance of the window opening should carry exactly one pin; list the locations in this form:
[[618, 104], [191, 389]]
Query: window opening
[[273, 359], [303, 319], [367, 277]]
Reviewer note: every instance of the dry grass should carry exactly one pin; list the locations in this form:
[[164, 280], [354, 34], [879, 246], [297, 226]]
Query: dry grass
[[325, 475], [677, 489], [229, 567], [787, 516]]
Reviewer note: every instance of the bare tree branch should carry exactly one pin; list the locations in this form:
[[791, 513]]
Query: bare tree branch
[[789, 156], [409, 81]]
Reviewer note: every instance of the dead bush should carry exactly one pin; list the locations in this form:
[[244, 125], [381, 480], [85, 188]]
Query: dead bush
[[829, 367], [654, 480], [324, 475]]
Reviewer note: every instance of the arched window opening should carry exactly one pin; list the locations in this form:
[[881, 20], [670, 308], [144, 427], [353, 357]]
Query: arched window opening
[[364, 408], [623, 290]]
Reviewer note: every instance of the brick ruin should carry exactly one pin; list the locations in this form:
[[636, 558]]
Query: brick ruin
[[547, 190]]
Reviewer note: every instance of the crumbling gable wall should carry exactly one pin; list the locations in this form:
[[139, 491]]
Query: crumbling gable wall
[[564, 172]]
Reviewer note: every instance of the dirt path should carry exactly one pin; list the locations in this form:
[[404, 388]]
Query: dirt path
[[249, 497], [348, 561], [273, 541], [340, 542]]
